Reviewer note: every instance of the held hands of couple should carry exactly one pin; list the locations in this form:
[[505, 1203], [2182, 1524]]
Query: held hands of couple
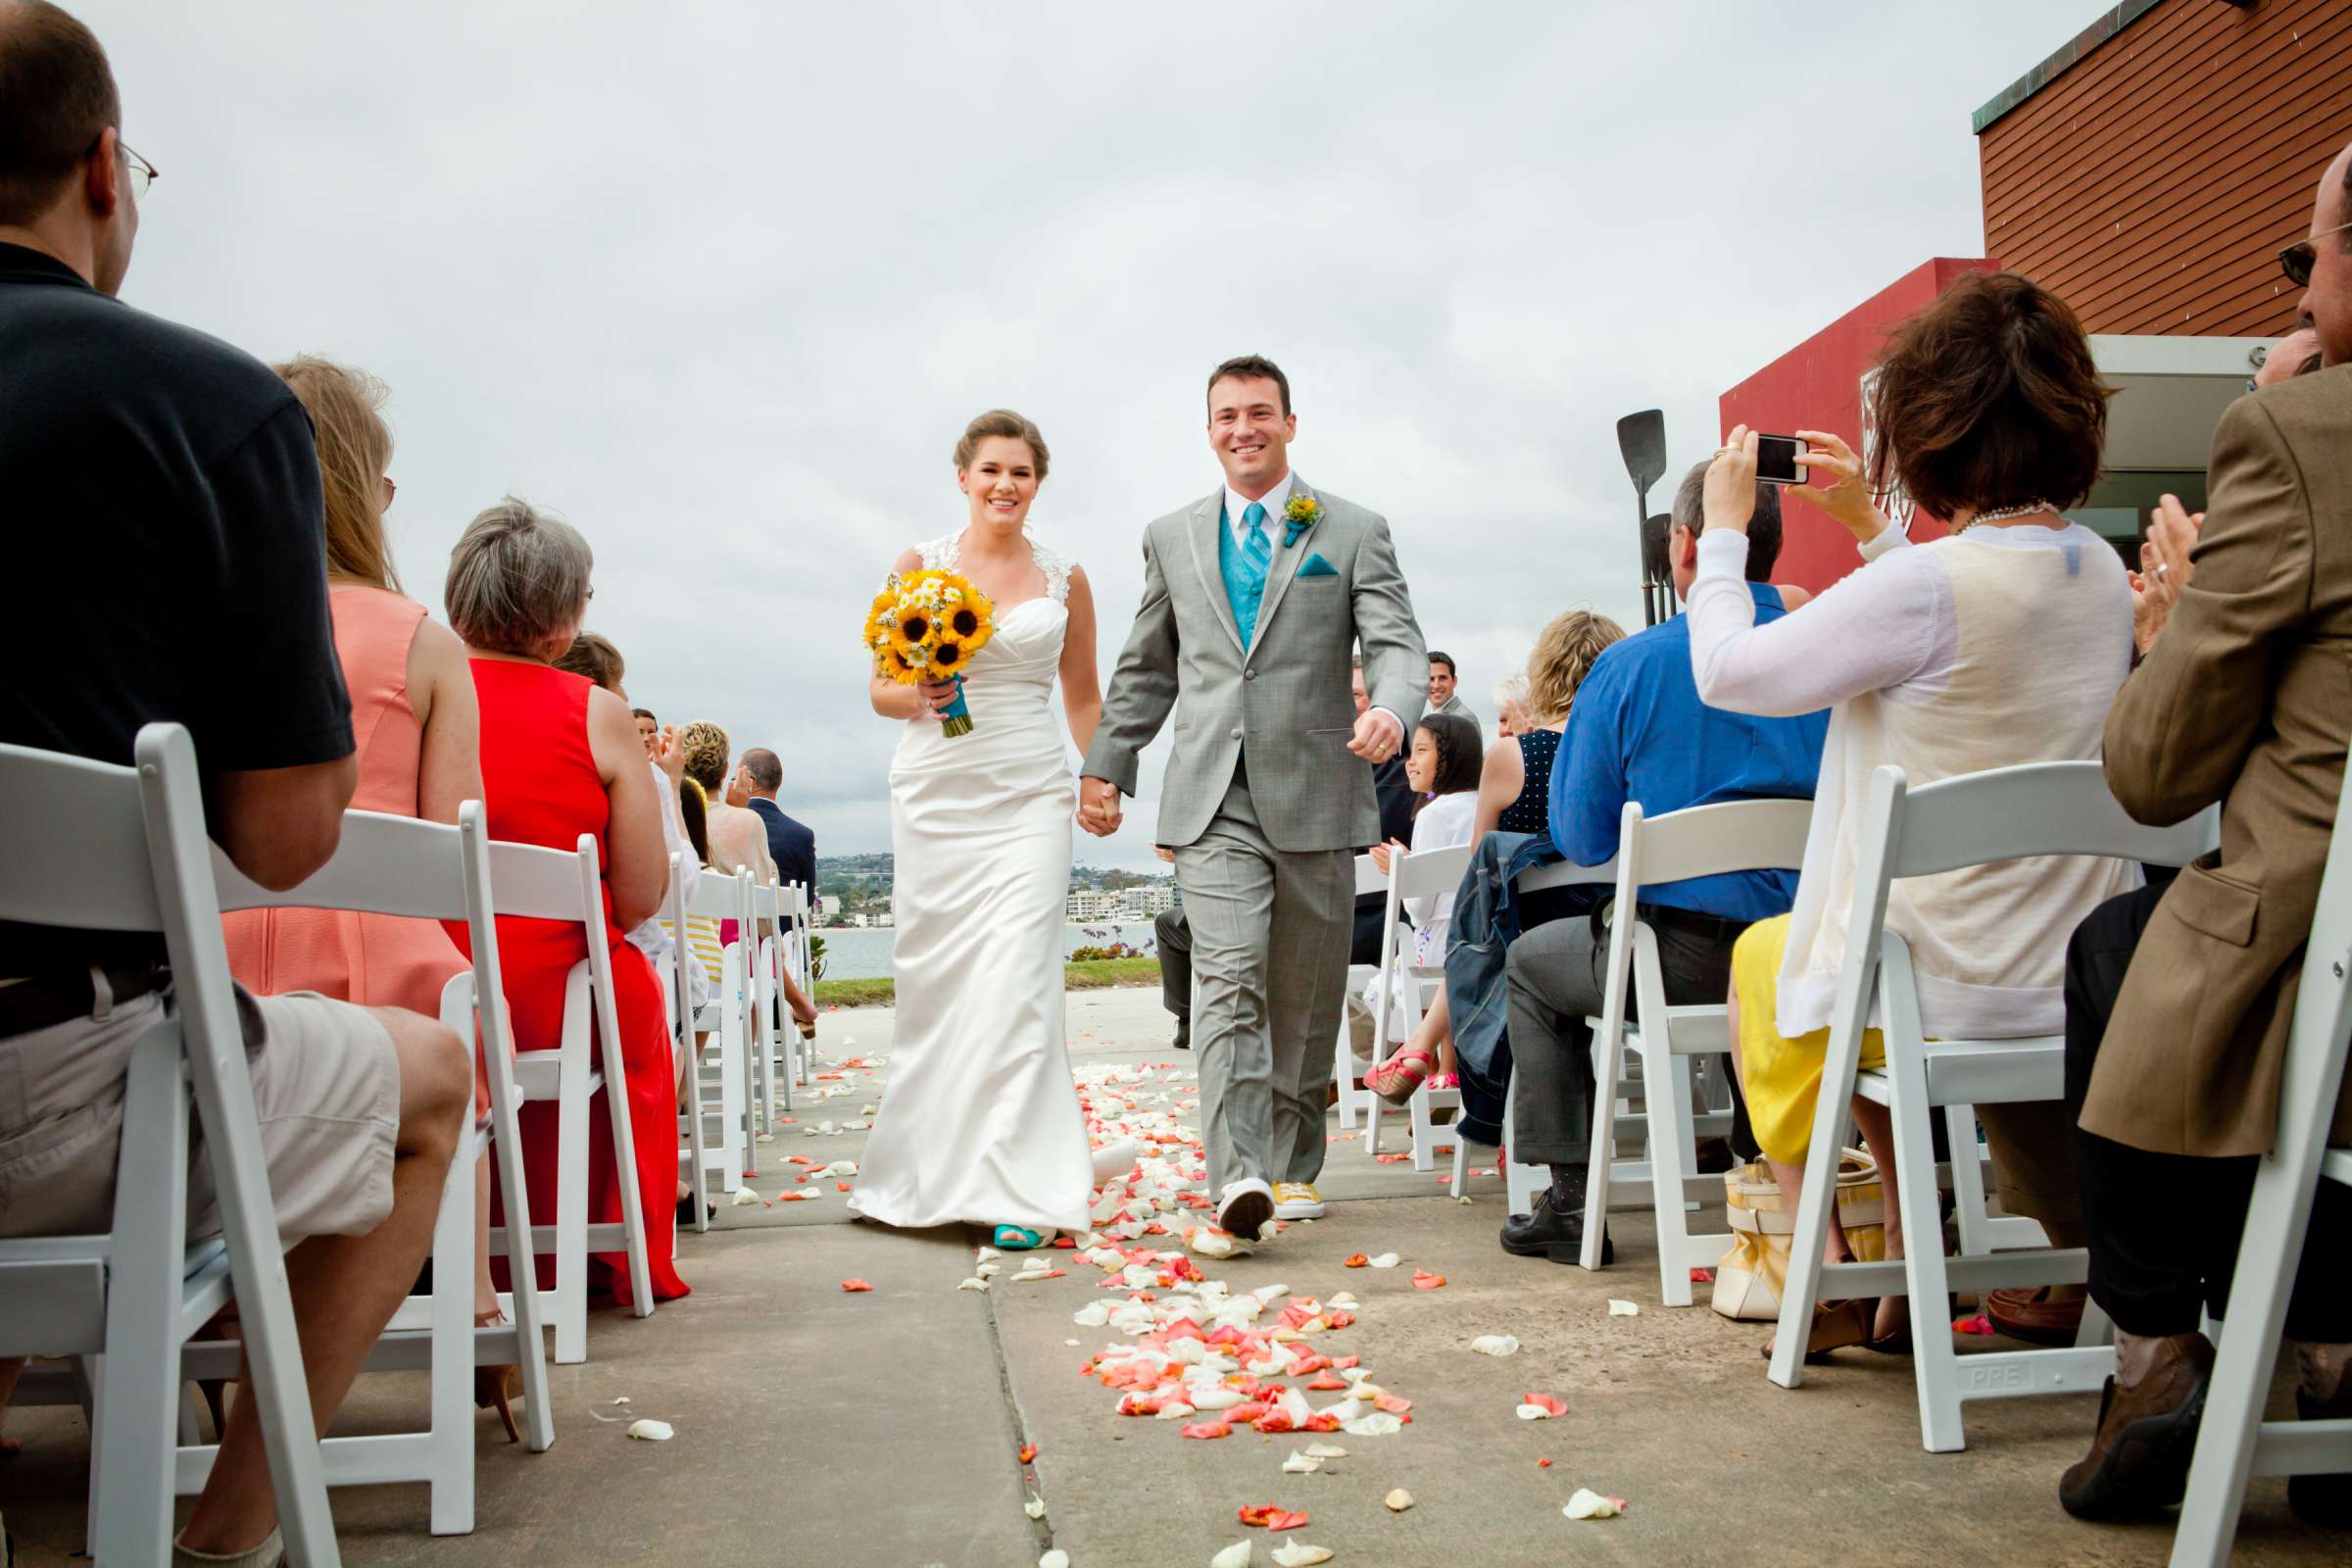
[[2165, 569], [1099, 810]]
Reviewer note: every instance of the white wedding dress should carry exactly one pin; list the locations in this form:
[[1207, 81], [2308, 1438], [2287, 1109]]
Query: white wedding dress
[[981, 1122]]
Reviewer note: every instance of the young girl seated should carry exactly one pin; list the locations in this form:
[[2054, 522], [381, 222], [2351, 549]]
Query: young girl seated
[[1443, 769]]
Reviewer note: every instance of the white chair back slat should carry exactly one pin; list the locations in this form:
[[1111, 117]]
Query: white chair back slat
[[1369, 877], [382, 865], [1723, 839], [2031, 810], [537, 883], [75, 843]]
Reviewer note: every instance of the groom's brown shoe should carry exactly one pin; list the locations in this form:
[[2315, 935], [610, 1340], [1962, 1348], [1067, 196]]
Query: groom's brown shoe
[[2138, 1460]]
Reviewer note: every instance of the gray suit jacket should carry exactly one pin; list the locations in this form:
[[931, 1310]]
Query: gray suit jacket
[[1458, 709], [1286, 697]]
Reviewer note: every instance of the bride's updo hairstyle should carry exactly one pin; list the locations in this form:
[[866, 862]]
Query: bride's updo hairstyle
[[1003, 423]]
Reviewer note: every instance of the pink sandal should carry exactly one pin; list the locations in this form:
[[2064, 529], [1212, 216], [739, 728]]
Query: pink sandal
[[1396, 1079]]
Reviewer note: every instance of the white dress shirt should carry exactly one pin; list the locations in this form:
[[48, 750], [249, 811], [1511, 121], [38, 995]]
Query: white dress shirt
[[1274, 500]]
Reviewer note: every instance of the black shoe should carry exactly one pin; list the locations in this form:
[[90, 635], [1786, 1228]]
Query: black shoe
[[1549, 1233], [686, 1209], [2322, 1499]]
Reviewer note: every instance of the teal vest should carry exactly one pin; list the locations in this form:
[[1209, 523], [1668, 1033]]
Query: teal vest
[[1244, 588]]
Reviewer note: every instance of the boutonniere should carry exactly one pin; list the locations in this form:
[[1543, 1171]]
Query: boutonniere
[[1303, 514]]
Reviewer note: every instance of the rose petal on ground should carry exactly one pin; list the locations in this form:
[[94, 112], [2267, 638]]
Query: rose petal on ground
[[1356, 1261], [1028, 1451], [855, 1286], [1207, 1430], [743, 1198], [1379, 1424], [1299, 1555], [652, 1431], [1034, 1509], [1424, 1280], [1393, 1404], [1496, 1344], [1279, 1520], [1236, 1555], [1399, 1500], [1590, 1504], [1978, 1324], [1543, 1402], [1542, 1464], [1383, 1261], [1702, 1276], [976, 1283], [1619, 1309], [1325, 1451], [1301, 1464]]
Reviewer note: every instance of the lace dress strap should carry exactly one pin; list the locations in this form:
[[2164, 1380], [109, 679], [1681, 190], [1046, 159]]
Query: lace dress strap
[[1056, 568], [942, 554]]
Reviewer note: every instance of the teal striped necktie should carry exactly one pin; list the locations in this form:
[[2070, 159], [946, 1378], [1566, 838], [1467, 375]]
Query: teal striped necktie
[[1257, 560]]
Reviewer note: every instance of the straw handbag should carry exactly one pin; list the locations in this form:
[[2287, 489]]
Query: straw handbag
[[1749, 1279]]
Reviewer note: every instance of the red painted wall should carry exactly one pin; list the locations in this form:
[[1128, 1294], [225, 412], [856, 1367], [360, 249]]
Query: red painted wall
[[1817, 385]]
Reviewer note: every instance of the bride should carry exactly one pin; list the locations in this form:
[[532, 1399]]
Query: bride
[[981, 1121]]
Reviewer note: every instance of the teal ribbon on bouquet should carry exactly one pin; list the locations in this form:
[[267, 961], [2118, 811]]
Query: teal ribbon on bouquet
[[957, 717]]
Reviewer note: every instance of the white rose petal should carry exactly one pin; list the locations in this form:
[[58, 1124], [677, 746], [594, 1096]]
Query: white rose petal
[[1385, 1260], [1056, 1558], [652, 1431], [1093, 1315], [1236, 1555], [1301, 1464], [1534, 1412], [1624, 1309], [1325, 1451], [976, 1283], [1590, 1504], [743, 1198], [1378, 1423], [1299, 1555], [1496, 1344], [1034, 1509], [1399, 1500]]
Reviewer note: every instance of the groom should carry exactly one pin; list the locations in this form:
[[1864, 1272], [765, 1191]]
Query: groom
[[1255, 599]]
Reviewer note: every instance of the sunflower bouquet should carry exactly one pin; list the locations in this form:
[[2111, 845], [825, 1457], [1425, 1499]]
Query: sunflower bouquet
[[926, 626]]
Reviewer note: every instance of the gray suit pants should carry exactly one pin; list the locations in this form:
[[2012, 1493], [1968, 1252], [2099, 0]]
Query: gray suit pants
[[1270, 933], [1555, 984]]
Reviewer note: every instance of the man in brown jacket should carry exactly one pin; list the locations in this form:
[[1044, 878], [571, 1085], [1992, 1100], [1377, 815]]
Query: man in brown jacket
[[2178, 997]]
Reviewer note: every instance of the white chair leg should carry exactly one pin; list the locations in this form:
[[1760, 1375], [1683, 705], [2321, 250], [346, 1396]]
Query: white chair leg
[[1343, 1068], [633, 1196], [1816, 1206], [1461, 1166], [1934, 1365], [2097, 1327], [1968, 1181], [698, 1155], [1672, 1153], [451, 1464], [570, 1299], [139, 1381], [1608, 1062], [1417, 1120]]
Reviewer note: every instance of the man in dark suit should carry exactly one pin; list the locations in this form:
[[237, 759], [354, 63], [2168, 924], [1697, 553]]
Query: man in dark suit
[[790, 845]]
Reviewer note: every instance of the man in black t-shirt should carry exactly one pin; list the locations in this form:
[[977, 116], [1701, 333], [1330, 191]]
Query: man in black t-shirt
[[161, 515]]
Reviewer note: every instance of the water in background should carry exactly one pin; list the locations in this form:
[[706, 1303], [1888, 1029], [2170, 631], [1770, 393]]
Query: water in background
[[865, 955]]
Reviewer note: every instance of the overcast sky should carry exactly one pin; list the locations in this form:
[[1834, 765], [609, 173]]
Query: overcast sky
[[721, 282]]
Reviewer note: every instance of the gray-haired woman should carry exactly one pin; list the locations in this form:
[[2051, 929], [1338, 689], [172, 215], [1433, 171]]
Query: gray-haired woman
[[561, 758]]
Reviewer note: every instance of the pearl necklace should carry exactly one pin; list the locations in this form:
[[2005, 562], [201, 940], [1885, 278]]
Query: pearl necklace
[[2006, 514]]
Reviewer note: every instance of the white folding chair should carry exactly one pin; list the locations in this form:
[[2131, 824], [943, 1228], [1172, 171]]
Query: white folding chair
[[766, 938], [715, 1098], [1521, 1182], [430, 871], [677, 995], [1347, 1069], [2045, 809], [1718, 840], [791, 924], [530, 882], [1430, 874], [2234, 1441], [94, 846]]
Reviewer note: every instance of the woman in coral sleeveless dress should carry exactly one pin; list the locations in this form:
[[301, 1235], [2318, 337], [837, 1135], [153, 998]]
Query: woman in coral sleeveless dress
[[560, 757], [412, 713]]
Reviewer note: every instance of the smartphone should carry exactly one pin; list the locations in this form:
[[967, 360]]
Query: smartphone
[[1780, 460]]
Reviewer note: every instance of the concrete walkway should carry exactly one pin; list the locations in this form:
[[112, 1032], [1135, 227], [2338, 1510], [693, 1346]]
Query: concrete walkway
[[884, 1428]]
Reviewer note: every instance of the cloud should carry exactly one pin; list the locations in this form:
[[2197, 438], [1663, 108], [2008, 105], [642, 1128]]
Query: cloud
[[722, 282]]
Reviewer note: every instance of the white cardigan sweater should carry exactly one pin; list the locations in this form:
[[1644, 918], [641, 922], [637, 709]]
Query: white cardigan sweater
[[1992, 648]]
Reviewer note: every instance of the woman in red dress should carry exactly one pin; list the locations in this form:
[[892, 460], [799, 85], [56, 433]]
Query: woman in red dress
[[560, 757]]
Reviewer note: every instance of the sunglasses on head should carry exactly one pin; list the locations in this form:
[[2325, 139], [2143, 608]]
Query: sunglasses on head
[[2298, 259]]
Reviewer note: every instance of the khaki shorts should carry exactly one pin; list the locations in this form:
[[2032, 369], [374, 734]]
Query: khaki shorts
[[325, 1085]]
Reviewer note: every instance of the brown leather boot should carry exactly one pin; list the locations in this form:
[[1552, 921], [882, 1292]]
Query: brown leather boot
[[2138, 1460]]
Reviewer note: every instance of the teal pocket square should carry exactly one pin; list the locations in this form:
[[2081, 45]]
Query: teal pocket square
[[1317, 567]]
